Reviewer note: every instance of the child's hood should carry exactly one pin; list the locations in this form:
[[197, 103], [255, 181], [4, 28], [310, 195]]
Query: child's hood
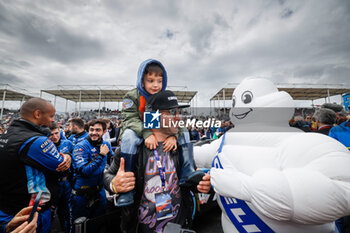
[[140, 76]]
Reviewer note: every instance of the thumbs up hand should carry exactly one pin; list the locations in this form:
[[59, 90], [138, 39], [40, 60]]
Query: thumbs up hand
[[123, 181], [104, 149]]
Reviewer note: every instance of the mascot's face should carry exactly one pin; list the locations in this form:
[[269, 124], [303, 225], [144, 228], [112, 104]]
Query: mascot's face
[[258, 100]]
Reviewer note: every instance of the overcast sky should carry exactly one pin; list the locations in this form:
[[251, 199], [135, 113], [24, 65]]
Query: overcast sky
[[203, 44]]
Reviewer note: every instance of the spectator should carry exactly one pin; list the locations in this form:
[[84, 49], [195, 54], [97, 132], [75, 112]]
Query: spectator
[[227, 126], [325, 119], [106, 137], [155, 169], [151, 79], [194, 134], [207, 133], [221, 130], [308, 120], [338, 109], [114, 134], [301, 124]]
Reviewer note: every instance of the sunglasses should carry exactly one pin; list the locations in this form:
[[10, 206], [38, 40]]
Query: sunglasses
[[173, 111]]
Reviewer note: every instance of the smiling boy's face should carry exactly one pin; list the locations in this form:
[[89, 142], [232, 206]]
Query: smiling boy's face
[[152, 83]]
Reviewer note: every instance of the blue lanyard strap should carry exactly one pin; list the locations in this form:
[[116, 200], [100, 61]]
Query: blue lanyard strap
[[161, 168], [216, 161]]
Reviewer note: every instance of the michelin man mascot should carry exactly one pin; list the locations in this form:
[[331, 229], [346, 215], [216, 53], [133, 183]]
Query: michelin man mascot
[[270, 177]]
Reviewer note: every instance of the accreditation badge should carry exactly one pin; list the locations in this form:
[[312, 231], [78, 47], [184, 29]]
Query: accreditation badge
[[163, 205]]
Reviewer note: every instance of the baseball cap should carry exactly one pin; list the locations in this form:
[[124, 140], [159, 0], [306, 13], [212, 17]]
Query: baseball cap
[[163, 100]]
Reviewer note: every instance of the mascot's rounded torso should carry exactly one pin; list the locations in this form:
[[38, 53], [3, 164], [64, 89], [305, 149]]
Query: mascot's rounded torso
[[272, 182]]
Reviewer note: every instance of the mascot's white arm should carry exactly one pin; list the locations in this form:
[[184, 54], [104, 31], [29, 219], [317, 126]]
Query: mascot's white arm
[[312, 189], [204, 155]]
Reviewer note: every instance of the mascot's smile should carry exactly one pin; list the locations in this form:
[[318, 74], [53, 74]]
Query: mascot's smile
[[243, 115]]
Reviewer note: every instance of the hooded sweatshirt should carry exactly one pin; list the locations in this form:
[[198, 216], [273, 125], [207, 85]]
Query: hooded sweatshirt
[[140, 73], [135, 101]]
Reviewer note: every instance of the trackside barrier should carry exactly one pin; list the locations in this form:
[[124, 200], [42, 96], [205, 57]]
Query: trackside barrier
[[176, 228], [85, 225], [80, 225], [109, 222]]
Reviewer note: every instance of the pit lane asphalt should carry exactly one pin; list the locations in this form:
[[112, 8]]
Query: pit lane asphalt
[[208, 221]]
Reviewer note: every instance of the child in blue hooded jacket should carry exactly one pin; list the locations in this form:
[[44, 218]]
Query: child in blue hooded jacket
[[151, 79]]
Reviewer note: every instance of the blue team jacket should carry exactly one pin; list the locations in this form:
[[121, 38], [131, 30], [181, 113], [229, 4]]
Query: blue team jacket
[[89, 164], [76, 138], [341, 133], [65, 146]]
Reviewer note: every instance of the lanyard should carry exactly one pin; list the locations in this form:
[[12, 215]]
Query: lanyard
[[161, 169]]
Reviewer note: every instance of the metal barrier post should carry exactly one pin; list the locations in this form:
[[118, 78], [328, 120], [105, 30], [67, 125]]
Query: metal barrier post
[[80, 225], [175, 228]]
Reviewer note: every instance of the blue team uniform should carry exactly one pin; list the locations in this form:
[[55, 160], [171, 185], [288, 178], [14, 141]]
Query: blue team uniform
[[44, 152], [63, 137], [65, 193], [76, 138], [341, 133], [24, 145], [89, 197]]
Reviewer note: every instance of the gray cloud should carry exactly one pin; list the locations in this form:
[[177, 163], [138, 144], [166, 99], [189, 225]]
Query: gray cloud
[[286, 13], [39, 35], [11, 62], [203, 46], [7, 78], [200, 36], [220, 20]]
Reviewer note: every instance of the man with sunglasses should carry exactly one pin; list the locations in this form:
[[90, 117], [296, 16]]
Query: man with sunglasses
[[159, 198]]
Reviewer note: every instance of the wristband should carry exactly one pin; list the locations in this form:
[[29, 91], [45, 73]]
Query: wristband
[[113, 188]]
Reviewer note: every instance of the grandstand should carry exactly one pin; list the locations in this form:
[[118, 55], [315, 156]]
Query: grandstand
[[110, 93], [10, 93], [297, 91], [115, 93]]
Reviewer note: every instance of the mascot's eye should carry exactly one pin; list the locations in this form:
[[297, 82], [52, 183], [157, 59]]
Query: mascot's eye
[[233, 101], [247, 97]]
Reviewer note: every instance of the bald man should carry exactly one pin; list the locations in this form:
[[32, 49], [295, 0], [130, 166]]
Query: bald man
[[26, 143]]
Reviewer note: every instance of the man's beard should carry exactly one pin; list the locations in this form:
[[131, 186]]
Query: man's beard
[[97, 142]]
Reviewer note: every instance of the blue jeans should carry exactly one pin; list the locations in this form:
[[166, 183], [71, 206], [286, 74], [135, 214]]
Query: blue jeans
[[184, 138], [130, 142]]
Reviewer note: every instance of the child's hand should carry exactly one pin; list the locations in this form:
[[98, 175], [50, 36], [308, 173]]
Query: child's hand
[[151, 142], [169, 144]]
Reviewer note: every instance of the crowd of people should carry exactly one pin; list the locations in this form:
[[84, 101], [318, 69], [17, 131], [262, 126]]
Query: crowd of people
[[72, 165], [78, 137], [65, 169]]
